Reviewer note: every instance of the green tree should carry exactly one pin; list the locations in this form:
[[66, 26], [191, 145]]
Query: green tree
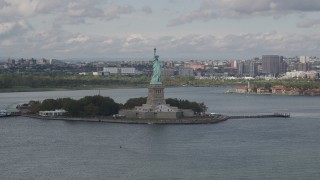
[[50, 104], [86, 106], [267, 85], [131, 103], [72, 106], [35, 106]]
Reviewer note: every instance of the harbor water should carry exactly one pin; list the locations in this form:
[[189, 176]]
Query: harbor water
[[272, 148]]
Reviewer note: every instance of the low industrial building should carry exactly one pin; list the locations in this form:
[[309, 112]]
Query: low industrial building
[[57, 112], [120, 71], [262, 90]]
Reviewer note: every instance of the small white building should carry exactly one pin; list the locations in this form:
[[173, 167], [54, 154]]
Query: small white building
[[57, 112], [100, 73], [83, 73]]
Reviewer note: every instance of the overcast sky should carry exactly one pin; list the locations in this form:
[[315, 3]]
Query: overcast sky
[[191, 29]]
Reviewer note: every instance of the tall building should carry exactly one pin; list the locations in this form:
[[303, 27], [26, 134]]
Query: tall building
[[273, 65], [234, 64], [248, 68], [244, 68], [304, 59], [254, 69], [56, 62], [42, 61], [32, 61], [302, 66], [11, 61]]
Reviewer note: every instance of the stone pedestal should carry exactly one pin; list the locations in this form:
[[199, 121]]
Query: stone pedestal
[[155, 95]]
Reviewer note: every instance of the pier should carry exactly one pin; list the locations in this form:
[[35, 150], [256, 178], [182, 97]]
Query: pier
[[274, 115]]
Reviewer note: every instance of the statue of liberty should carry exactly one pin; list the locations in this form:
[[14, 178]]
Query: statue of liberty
[[156, 75]]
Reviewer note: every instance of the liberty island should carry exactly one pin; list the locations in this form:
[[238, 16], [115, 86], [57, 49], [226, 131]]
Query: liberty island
[[154, 111]]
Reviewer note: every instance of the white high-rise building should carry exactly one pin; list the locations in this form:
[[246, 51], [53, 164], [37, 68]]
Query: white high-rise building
[[234, 64], [304, 59]]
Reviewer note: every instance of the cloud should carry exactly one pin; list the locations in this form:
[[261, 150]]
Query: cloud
[[114, 11], [79, 12], [134, 45], [83, 9], [17, 9], [211, 9], [62, 44], [78, 39], [9, 29], [307, 23], [64, 11], [146, 9]]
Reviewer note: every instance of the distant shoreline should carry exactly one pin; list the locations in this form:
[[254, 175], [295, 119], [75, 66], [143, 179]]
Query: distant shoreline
[[13, 90], [271, 94], [22, 89]]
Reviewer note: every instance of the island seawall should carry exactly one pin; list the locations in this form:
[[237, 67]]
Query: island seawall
[[187, 120]]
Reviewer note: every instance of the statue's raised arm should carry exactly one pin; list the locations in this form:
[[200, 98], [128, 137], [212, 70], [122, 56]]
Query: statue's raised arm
[[156, 74]]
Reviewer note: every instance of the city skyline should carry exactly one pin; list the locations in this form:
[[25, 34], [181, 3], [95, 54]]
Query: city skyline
[[180, 29]]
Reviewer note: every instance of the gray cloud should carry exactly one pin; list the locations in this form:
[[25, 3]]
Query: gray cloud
[[211, 9], [17, 9], [62, 44], [307, 23], [114, 11], [146, 9], [9, 29], [64, 11], [80, 12]]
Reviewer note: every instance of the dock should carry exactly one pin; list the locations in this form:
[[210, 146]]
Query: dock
[[274, 115]]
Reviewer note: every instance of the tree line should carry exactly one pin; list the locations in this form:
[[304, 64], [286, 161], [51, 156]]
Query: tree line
[[87, 106], [286, 83], [47, 80], [91, 106], [23, 81]]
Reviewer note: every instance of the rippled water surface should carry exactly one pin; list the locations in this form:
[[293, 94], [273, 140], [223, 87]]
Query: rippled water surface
[[235, 149]]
